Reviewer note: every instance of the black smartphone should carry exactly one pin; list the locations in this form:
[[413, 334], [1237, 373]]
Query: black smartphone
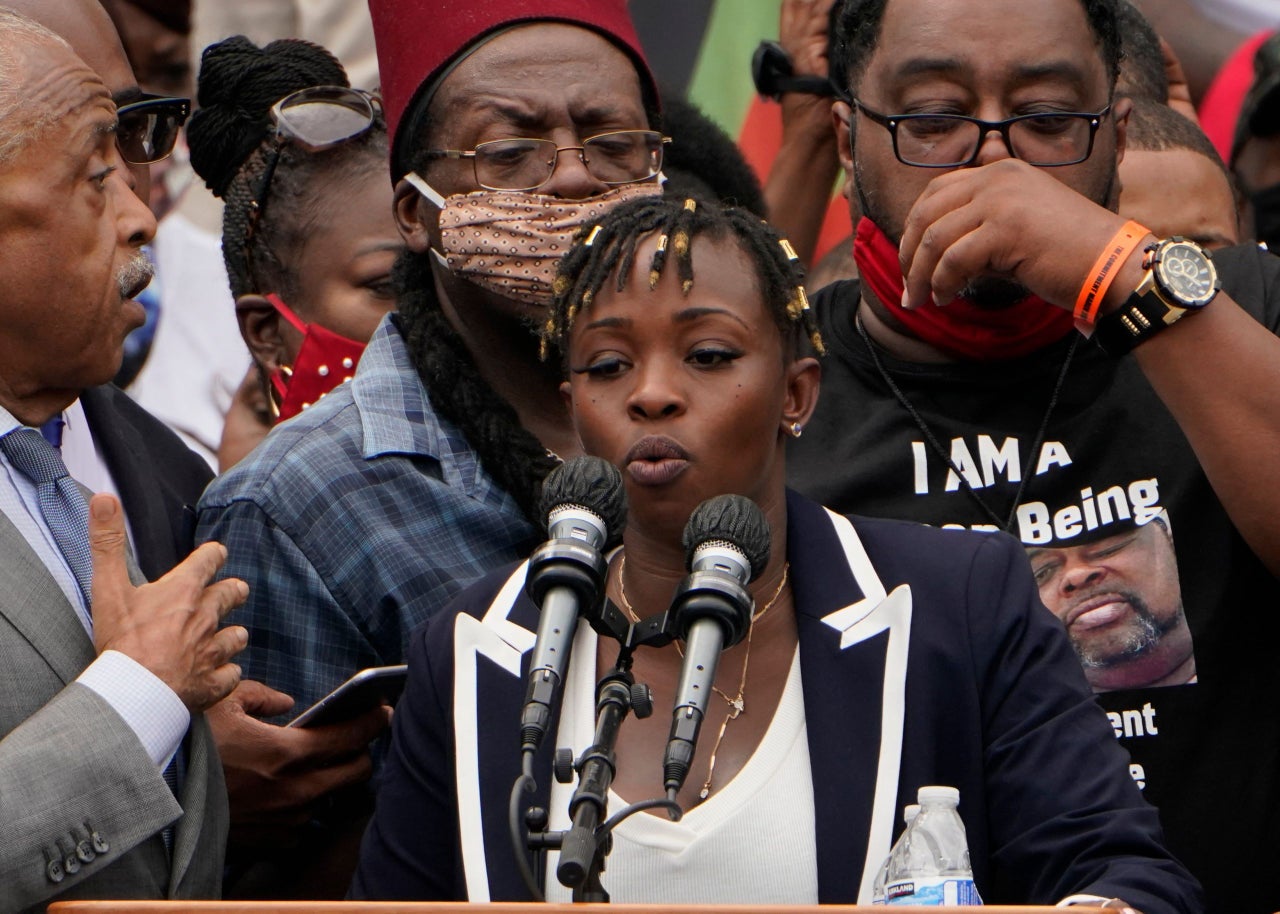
[[366, 689]]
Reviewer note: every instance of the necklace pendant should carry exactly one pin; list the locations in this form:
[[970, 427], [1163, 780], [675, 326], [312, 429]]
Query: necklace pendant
[[738, 705], [702, 794]]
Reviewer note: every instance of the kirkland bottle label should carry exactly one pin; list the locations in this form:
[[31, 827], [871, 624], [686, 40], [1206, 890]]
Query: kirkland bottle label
[[932, 890]]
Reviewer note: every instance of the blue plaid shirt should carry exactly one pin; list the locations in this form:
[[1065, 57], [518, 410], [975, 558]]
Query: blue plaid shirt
[[352, 523]]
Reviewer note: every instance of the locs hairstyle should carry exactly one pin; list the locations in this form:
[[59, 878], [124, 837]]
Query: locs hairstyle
[[510, 453], [608, 248]]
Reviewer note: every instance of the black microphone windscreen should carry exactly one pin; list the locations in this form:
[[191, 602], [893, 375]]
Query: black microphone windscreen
[[734, 519], [590, 483]]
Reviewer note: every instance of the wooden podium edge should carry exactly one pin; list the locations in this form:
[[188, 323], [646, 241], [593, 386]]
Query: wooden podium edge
[[385, 907]]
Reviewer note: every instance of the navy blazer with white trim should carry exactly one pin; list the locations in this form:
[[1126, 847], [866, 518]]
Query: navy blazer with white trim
[[926, 658]]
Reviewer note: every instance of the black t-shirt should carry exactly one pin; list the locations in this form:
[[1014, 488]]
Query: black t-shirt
[[1113, 495]]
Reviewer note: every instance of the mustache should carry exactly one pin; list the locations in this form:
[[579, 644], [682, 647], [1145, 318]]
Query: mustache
[[135, 275], [994, 293]]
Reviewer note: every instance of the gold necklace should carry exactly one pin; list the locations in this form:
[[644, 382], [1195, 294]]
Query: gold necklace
[[737, 705]]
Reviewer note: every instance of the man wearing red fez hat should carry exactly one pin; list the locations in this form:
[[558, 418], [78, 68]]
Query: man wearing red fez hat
[[512, 124]]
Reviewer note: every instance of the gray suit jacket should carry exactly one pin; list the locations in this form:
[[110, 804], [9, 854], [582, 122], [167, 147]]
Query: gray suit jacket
[[81, 803]]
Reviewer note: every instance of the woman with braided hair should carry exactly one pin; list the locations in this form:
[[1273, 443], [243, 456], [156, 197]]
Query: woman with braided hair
[[877, 656], [297, 157]]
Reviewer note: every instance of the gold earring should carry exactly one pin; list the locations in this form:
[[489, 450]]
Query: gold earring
[[796, 429], [274, 399]]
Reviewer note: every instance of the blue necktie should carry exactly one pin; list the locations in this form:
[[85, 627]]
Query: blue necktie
[[61, 501], [67, 514], [52, 431]]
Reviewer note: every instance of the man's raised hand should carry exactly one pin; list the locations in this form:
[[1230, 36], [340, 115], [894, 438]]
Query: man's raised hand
[[1006, 219], [169, 626]]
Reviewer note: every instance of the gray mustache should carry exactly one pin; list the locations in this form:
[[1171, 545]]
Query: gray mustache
[[135, 274]]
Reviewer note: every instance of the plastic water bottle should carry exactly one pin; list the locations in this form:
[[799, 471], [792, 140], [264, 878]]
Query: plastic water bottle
[[932, 865], [909, 814]]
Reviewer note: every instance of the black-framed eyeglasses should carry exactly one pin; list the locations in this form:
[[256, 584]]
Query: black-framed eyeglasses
[[148, 128], [524, 163], [1046, 139]]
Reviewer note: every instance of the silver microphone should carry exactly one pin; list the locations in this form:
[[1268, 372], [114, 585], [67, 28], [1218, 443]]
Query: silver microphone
[[727, 542], [586, 510]]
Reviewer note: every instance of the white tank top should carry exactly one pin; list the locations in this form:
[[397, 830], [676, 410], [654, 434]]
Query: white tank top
[[750, 842]]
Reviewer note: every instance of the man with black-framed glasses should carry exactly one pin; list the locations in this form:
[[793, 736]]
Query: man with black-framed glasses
[[944, 140], [156, 39], [1016, 356]]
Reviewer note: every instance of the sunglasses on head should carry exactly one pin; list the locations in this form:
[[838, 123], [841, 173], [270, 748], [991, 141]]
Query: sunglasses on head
[[320, 117], [315, 119], [149, 128]]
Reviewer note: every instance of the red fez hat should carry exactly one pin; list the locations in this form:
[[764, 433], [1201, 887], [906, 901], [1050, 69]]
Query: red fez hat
[[417, 40]]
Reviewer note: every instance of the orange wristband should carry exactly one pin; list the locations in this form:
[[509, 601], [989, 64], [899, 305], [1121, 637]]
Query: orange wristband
[[1115, 253]]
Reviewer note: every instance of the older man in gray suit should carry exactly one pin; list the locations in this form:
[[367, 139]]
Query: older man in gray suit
[[109, 782]]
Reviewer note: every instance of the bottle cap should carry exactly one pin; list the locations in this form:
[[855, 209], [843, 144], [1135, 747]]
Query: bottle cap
[[948, 796]]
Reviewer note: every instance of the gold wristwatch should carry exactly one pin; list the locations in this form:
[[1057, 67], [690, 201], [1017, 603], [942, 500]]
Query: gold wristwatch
[[1180, 279]]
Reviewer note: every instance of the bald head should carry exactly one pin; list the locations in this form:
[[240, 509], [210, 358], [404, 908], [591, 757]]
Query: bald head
[[85, 25]]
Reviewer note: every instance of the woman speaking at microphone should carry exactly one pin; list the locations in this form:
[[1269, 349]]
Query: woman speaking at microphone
[[879, 657]]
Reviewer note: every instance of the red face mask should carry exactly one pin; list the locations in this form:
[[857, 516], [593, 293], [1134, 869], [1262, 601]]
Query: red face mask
[[325, 359], [961, 328]]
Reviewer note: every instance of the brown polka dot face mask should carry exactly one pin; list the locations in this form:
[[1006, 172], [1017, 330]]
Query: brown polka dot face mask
[[509, 242]]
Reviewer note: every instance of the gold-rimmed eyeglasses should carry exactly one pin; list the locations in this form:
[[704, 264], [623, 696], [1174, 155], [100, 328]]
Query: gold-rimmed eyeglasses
[[525, 163]]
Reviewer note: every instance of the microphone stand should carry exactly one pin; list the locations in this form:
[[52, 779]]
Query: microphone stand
[[585, 845]]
